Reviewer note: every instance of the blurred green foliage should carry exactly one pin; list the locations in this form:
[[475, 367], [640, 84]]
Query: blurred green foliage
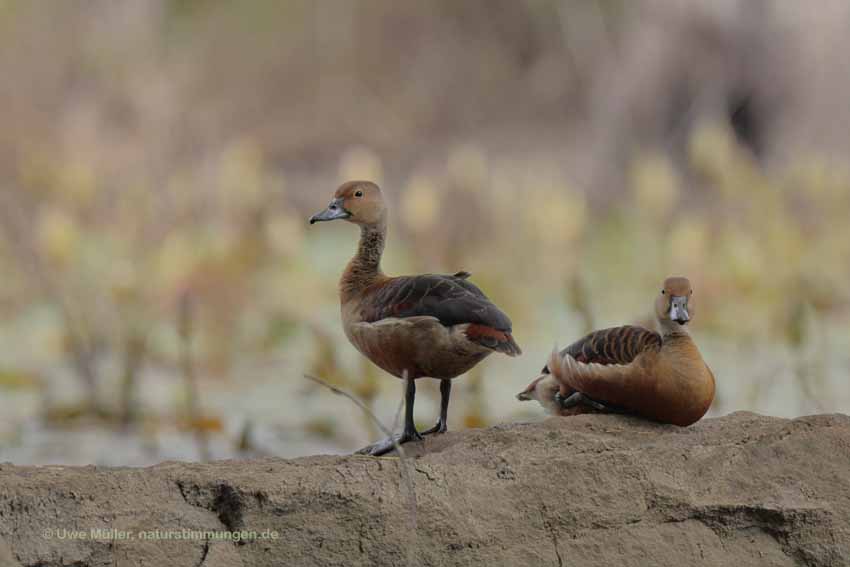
[[160, 152], [768, 254]]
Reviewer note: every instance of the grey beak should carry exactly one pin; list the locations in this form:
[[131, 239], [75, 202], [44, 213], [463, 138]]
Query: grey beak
[[679, 310], [334, 211], [523, 397]]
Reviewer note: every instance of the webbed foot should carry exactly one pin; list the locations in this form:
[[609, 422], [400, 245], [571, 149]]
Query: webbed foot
[[440, 427], [570, 401], [577, 398]]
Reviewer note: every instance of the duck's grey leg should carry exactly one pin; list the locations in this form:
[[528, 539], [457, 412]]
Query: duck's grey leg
[[570, 401], [577, 398], [443, 423], [409, 434]]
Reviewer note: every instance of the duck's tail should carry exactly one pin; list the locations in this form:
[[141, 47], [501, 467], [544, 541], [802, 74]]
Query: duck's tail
[[500, 341], [511, 348]]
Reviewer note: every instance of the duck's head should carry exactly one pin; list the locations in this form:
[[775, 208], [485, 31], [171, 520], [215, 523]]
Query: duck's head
[[360, 202], [674, 306], [542, 390]]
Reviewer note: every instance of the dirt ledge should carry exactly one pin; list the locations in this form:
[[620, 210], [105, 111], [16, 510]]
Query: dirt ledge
[[590, 490]]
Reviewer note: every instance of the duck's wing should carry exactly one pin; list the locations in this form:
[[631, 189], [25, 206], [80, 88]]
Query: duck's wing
[[452, 300], [615, 345], [606, 365]]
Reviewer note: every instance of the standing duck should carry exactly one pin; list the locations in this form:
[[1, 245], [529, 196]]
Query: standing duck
[[632, 369], [434, 326]]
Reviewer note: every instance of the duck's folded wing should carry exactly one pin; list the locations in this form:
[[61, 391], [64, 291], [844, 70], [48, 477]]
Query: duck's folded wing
[[614, 384], [450, 299], [616, 345]]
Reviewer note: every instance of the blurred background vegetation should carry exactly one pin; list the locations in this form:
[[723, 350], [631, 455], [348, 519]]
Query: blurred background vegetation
[[162, 294]]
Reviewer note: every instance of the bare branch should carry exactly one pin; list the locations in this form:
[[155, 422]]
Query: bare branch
[[359, 404], [406, 475]]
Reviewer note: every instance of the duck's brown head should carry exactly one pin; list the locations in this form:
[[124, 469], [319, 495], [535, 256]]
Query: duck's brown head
[[674, 306], [360, 202]]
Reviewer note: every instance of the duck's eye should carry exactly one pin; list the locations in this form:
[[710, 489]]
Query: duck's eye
[[663, 292], [358, 193]]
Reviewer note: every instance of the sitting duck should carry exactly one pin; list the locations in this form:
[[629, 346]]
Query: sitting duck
[[435, 326], [631, 369]]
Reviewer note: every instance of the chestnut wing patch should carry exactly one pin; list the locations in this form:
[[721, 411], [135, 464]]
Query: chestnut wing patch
[[451, 299], [617, 345]]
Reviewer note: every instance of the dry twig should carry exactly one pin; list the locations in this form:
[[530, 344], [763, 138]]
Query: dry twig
[[406, 476]]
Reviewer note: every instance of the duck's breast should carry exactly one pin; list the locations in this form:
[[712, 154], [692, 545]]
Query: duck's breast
[[685, 385]]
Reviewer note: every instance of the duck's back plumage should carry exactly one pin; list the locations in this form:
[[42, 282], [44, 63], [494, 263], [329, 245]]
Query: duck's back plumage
[[451, 299], [616, 345]]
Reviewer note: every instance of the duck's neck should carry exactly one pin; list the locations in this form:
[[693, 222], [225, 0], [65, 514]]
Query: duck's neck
[[364, 269], [672, 330]]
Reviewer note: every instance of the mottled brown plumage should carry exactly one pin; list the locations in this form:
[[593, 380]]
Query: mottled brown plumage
[[659, 376], [616, 345], [450, 299], [430, 325]]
